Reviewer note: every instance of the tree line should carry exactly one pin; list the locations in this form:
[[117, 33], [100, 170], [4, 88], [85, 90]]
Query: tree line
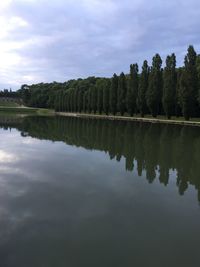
[[170, 91], [9, 94]]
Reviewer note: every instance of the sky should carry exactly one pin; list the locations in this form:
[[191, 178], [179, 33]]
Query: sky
[[58, 40]]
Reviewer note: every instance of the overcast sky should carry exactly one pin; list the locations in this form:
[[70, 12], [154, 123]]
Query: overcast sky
[[57, 40]]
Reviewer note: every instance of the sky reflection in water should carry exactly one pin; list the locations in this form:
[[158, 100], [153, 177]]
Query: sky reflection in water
[[66, 203]]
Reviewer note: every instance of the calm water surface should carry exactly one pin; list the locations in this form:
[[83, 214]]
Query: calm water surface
[[81, 193]]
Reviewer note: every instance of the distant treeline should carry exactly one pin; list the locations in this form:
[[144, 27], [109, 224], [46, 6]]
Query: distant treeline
[[169, 91], [152, 150], [9, 94]]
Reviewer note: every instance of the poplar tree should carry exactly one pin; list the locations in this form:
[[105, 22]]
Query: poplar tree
[[61, 101], [154, 92], [85, 101], [100, 86], [113, 94], [189, 85], [90, 99], [143, 86], [80, 100], [67, 101], [94, 99], [122, 88], [56, 104], [169, 86], [178, 92], [132, 90], [75, 98], [106, 96], [198, 76]]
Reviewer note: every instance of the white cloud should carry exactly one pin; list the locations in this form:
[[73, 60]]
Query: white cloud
[[6, 157], [8, 26], [10, 58], [5, 4]]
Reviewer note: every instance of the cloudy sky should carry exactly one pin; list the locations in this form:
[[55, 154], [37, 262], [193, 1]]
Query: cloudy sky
[[56, 40]]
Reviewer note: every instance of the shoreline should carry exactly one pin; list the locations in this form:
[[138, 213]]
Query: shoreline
[[26, 110], [40, 111], [133, 119]]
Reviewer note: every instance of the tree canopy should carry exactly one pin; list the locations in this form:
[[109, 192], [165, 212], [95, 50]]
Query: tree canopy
[[155, 90]]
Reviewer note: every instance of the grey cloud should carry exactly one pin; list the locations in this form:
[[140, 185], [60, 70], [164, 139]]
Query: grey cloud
[[71, 39]]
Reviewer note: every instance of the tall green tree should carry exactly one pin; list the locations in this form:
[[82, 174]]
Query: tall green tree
[[90, 92], [178, 92], [132, 90], [67, 101], [189, 85], [59, 101], [94, 99], [85, 101], [154, 92], [24, 92], [143, 86], [100, 85], [56, 103], [106, 90], [75, 98], [169, 86], [198, 76], [113, 94], [122, 89], [80, 101]]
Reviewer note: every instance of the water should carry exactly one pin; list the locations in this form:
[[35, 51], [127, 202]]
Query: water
[[77, 192]]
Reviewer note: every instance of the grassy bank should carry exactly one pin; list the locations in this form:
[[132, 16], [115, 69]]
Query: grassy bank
[[159, 119], [8, 104], [25, 110]]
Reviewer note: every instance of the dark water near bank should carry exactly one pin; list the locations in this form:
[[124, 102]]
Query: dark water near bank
[[77, 192]]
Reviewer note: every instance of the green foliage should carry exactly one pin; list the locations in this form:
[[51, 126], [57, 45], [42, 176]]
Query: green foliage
[[94, 99], [186, 103], [169, 86], [143, 86], [100, 86], [85, 101], [154, 92], [174, 91], [9, 94], [198, 76], [113, 94], [132, 90], [178, 92], [122, 88], [90, 92], [189, 85], [75, 97], [8, 103], [80, 101], [106, 90]]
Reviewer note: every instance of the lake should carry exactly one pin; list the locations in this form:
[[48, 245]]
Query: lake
[[81, 192]]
